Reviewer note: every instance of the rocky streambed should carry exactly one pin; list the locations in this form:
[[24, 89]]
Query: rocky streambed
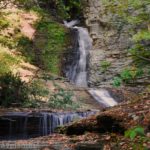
[[103, 131], [25, 125]]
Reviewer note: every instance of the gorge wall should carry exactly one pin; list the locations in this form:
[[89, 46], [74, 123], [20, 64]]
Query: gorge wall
[[109, 54]]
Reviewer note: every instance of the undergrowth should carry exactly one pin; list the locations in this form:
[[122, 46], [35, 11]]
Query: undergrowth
[[48, 45], [45, 50], [62, 99], [7, 62]]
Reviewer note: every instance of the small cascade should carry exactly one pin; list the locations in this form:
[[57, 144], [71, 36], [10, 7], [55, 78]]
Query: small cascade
[[77, 70], [21, 125], [103, 97], [71, 24]]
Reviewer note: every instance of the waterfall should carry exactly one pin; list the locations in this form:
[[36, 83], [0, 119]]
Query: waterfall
[[71, 23], [77, 70], [21, 125]]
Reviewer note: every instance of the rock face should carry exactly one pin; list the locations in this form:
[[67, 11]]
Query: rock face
[[110, 43]]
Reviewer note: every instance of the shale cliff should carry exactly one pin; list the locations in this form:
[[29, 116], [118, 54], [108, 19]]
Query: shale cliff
[[110, 43]]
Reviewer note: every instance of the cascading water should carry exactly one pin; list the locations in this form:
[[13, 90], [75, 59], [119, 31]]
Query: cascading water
[[77, 70], [21, 125], [103, 97]]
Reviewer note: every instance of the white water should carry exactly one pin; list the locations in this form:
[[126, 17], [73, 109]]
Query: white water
[[103, 97], [71, 23], [77, 72], [85, 45]]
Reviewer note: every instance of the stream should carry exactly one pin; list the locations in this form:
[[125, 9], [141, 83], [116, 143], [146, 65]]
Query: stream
[[24, 125]]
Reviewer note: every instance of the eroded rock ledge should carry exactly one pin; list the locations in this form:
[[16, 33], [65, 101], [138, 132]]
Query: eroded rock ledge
[[115, 120]]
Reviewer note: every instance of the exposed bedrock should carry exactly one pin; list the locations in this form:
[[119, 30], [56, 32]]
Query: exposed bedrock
[[110, 43]]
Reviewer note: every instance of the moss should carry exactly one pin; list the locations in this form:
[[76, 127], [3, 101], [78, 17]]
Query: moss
[[54, 44], [12, 90], [7, 62], [3, 23], [48, 45], [7, 41], [25, 46]]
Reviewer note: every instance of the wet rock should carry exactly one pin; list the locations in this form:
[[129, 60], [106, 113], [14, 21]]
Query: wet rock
[[79, 128], [75, 130], [110, 124], [84, 146]]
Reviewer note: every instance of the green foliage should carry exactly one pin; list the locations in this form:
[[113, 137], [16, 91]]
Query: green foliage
[[61, 9], [131, 74], [68, 9], [135, 14], [62, 99], [25, 45], [65, 9], [53, 46], [37, 90], [141, 54], [141, 35], [132, 133], [12, 90], [27, 4], [6, 62], [7, 42], [117, 81], [140, 50], [3, 23], [128, 75], [105, 65], [9, 30], [30, 104]]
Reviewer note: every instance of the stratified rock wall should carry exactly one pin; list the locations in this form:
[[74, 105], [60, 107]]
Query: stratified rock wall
[[110, 43]]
